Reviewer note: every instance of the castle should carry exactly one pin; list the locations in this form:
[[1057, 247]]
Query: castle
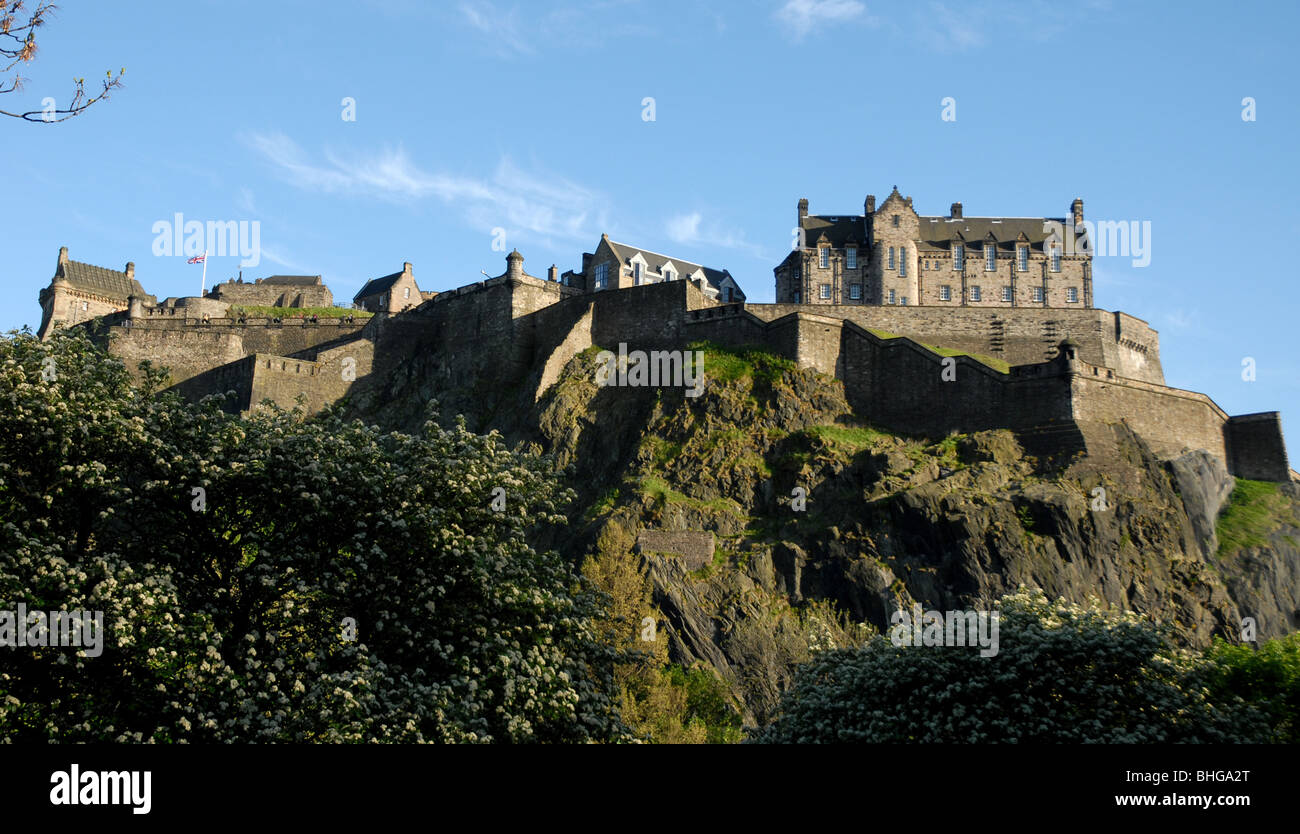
[[934, 325]]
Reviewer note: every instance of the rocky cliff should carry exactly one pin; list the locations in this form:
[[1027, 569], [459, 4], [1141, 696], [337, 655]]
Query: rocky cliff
[[808, 505]]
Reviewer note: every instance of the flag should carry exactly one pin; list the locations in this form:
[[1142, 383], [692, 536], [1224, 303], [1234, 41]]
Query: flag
[[198, 259]]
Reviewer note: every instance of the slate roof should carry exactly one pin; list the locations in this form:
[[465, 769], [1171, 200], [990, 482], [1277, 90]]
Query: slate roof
[[101, 281], [715, 277], [294, 280], [375, 286], [838, 230], [938, 233]]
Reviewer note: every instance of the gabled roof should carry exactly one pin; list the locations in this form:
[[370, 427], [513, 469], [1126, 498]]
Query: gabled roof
[[375, 286], [939, 232], [839, 231], [98, 280], [717, 278], [293, 280]]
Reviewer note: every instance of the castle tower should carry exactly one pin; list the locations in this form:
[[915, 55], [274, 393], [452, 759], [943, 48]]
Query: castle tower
[[514, 265]]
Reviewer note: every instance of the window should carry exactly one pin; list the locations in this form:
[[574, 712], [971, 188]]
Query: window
[[406, 292], [84, 305], [974, 293], [1072, 295], [1006, 293], [825, 291], [891, 296], [824, 255], [855, 292], [903, 301], [636, 272], [891, 257], [798, 297], [945, 293], [990, 257], [1056, 257], [895, 221], [902, 262], [602, 276], [1038, 294], [851, 257], [668, 273], [1022, 258], [958, 257]]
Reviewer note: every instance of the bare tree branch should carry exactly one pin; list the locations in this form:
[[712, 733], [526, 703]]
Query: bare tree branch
[[18, 46]]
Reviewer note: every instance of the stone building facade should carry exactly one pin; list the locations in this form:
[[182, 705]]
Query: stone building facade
[[892, 256], [275, 291], [80, 292], [391, 293], [615, 266]]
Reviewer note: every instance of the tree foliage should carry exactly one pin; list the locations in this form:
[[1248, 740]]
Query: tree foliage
[[228, 553], [1063, 673]]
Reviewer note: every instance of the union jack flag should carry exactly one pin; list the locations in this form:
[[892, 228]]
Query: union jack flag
[[197, 259]]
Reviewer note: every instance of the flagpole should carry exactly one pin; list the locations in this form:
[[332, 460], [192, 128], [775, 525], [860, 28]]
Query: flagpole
[[203, 282]]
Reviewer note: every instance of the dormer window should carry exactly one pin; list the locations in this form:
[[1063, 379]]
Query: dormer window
[[958, 257], [851, 257], [990, 257], [1056, 257], [636, 273], [1022, 258], [824, 257], [668, 273]]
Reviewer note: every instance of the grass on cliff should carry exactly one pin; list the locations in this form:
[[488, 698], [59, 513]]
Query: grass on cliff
[[726, 364], [294, 312], [996, 364], [1255, 509], [658, 490]]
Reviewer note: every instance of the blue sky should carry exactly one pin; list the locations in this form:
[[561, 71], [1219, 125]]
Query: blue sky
[[528, 117]]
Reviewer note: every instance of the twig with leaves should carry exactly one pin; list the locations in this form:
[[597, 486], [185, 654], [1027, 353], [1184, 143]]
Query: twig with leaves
[[18, 46]]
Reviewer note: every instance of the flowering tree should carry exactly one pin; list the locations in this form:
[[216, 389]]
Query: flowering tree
[[276, 578], [1063, 673]]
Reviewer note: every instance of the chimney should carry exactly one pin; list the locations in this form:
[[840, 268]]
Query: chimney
[[955, 211], [514, 265], [1076, 211], [870, 204], [586, 261], [130, 270], [803, 208], [63, 254], [552, 274]]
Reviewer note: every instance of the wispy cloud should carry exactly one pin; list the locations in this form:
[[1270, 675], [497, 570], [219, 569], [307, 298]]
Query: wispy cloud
[[575, 26], [511, 198], [502, 27], [950, 30], [1181, 318], [801, 17], [691, 229]]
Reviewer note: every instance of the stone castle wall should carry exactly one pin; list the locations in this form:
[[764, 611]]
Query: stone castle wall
[[1019, 337], [507, 332]]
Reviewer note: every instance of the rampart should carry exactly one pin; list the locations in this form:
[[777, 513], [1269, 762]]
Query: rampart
[[1070, 371], [1017, 336]]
